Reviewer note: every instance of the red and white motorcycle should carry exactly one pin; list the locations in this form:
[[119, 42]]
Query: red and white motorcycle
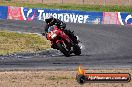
[[62, 41]]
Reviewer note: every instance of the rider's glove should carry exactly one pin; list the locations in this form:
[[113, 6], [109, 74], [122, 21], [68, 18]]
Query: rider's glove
[[56, 24], [43, 34]]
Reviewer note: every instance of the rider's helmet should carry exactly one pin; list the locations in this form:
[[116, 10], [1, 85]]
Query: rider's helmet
[[49, 19]]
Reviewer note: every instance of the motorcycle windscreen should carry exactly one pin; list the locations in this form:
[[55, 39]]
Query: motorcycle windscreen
[[51, 28]]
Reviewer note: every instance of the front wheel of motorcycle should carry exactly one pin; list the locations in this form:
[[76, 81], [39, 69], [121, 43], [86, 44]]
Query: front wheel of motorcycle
[[76, 49], [63, 49]]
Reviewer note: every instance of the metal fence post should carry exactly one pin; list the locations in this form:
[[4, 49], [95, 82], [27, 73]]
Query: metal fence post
[[101, 2], [62, 2], [83, 2], [104, 2], [119, 2]]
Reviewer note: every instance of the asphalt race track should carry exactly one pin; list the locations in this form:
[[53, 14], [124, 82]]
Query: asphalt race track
[[103, 47]]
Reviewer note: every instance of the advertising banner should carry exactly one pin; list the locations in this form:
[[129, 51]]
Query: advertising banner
[[14, 13], [71, 16], [125, 18], [30, 14], [3, 12], [110, 18], [122, 18]]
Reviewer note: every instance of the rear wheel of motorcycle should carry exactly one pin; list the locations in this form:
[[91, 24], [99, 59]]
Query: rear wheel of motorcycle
[[63, 49], [76, 49]]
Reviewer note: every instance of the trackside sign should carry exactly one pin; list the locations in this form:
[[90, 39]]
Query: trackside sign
[[71, 16], [64, 15]]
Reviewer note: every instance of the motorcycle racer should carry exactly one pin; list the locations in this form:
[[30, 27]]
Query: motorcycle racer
[[50, 21]]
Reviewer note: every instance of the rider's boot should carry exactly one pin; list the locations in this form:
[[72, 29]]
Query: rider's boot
[[53, 45], [72, 36]]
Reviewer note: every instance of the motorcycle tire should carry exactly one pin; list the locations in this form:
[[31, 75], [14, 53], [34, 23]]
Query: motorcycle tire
[[76, 49], [63, 49]]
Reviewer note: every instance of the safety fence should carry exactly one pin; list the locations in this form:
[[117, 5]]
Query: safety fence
[[72, 16], [86, 2]]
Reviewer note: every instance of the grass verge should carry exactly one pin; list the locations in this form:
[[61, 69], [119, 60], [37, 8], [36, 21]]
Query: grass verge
[[112, 8], [12, 42]]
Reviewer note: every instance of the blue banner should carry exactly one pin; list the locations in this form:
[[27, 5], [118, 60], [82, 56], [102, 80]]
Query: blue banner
[[72, 16], [125, 18], [3, 12]]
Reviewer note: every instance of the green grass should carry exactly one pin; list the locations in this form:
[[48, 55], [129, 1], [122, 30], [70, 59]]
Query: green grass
[[112, 8], [12, 42]]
